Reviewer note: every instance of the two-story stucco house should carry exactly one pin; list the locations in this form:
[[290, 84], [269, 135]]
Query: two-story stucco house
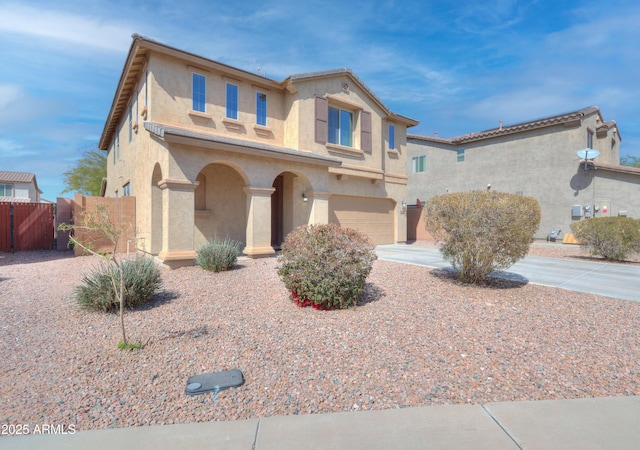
[[539, 159], [19, 187], [211, 150]]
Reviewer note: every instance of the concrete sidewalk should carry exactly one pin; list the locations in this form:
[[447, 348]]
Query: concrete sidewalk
[[590, 423], [606, 279]]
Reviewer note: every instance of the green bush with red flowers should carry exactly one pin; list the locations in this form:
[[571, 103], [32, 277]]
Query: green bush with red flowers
[[325, 266]]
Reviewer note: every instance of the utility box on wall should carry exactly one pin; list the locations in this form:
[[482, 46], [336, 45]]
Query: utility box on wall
[[576, 211]]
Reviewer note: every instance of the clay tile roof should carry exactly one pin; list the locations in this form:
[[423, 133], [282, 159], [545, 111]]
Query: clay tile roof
[[515, 128], [15, 200], [16, 177]]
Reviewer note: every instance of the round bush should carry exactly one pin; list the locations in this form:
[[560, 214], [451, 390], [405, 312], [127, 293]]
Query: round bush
[[610, 237], [482, 231], [218, 254], [325, 266], [98, 291]]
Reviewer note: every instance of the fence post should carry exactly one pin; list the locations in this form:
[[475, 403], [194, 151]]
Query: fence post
[[11, 245]]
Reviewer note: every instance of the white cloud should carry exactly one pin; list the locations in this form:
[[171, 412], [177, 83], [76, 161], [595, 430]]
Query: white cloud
[[9, 94], [63, 27]]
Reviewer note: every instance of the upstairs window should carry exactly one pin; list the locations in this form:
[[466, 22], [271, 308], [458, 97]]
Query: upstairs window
[[261, 109], [340, 127], [419, 164], [6, 190], [126, 190], [392, 137], [232, 101], [198, 92], [589, 139], [460, 155]]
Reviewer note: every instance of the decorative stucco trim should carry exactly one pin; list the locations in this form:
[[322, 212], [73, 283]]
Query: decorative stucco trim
[[173, 183], [259, 191], [178, 256], [318, 195], [396, 178], [362, 172], [209, 140]]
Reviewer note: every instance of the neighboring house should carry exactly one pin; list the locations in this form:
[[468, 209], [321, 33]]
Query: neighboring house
[[537, 159], [211, 150], [19, 187]]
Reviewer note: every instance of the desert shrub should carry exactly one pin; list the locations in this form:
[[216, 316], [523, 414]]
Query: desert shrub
[[218, 254], [610, 237], [325, 266], [98, 289], [482, 231]]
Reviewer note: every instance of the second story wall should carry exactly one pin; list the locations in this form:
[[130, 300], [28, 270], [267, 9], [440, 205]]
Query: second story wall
[[224, 103]]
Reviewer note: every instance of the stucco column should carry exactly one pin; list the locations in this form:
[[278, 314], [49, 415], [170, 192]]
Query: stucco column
[[319, 207], [258, 221], [177, 222]]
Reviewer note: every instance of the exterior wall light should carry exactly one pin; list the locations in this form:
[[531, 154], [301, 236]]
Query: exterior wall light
[[304, 198]]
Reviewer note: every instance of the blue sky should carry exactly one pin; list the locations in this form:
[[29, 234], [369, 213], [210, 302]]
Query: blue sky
[[456, 66]]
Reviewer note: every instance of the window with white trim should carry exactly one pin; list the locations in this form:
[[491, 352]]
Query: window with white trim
[[6, 190], [340, 127], [419, 164]]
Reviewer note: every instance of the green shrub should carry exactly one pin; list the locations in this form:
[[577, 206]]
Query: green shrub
[[218, 254], [482, 231], [325, 266], [610, 237], [98, 291]]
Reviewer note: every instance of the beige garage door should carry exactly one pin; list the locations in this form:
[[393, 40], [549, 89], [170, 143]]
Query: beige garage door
[[370, 216]]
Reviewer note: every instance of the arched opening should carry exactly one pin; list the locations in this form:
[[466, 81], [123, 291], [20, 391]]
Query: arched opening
[[220, 205], [156, 211]]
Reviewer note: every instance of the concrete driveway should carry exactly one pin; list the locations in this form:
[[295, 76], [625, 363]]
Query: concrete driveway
[[606, 279]]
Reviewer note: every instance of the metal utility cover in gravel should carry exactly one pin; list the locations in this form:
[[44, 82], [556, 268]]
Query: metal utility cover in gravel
[[215, 381]]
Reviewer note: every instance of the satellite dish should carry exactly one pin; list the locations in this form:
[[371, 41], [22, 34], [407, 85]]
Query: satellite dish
[[588, 153]]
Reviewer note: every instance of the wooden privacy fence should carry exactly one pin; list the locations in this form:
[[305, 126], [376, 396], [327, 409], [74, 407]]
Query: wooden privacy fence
[[26, 226]]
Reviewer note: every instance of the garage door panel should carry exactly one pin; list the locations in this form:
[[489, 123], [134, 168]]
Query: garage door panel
[[371, 216]]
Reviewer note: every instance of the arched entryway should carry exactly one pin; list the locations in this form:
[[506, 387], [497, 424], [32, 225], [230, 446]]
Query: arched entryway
[[219, 204]]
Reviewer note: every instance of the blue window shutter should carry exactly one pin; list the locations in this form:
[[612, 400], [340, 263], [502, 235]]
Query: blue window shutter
[[322, 120], [365, 132]]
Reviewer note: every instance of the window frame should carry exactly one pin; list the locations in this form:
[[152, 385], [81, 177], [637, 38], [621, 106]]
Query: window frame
[[198, 92], [232, 101], [261, 109], [419, 164], [4, 189], [336, 129]]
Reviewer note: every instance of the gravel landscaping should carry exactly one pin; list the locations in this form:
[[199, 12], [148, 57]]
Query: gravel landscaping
[[416, 338]]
